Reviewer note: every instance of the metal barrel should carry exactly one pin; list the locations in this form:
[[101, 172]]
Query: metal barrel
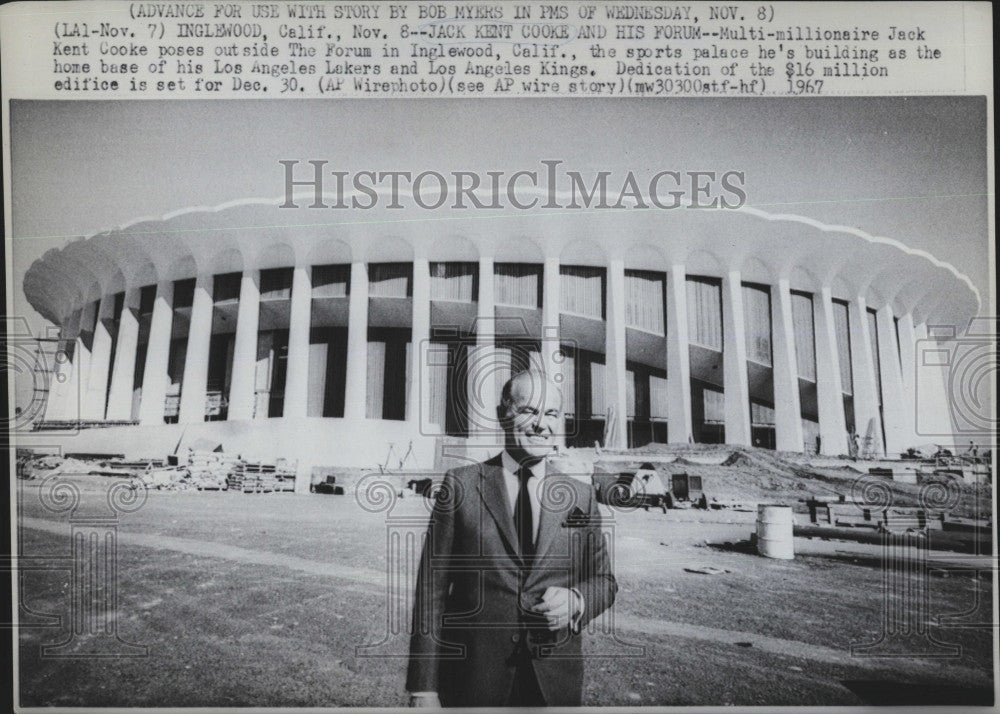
[[774, 532]]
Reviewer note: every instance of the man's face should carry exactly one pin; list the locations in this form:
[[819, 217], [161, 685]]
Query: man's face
[[531, 419]]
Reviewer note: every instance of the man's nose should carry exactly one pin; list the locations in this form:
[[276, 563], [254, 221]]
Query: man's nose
[[540, 423]]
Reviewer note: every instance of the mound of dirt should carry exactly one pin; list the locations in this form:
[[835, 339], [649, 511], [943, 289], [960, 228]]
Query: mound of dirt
[[754, 475], [736, 459]]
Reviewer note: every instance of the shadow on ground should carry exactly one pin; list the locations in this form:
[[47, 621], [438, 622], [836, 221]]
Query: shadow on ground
[[885, 693]]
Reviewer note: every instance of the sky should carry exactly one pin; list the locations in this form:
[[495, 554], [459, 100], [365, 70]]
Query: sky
[[909, 168]]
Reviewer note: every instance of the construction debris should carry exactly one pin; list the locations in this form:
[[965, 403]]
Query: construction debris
[[329, 485], [209, 470], [40, 467], [258, 477], [706, 570], [168, 478], [735, 505], [201, 469]]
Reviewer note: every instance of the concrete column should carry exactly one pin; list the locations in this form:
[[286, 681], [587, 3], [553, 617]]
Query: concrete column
[[615, 373], [154, 376], [420, 334], [551, 336], [551, 283], [123, 373], [787, 405], [241, 386], [551, 343], [83, 354], [94, 400], [58, 376], [932, 409], [195, 380], [829, 389], [908, 368], [893, 405], [678, 358], [734, 361], [482, 389], [357, 344], [63, 400], [297, 381], [865, 396], [297, 384]]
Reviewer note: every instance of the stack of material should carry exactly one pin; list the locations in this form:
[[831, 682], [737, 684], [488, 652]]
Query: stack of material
[[267, 478], [120, 468], [210, 470], [137, 465], [260, 477], [284, 471], [236, 478], [251, 477]]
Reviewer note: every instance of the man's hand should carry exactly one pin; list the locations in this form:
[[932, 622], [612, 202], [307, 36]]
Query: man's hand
[[559, 606], [425, 700]]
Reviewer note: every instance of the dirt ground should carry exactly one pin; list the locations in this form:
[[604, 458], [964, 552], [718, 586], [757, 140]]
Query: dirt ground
[[764, 476], [266, 600]]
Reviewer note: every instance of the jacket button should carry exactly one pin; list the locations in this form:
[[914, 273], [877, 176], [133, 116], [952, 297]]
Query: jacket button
[[515, 637]]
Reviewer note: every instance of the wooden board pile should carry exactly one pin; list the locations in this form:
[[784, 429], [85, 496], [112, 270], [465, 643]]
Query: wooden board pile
[[120, 468], [284, 472], [854, 515], [259, 477]]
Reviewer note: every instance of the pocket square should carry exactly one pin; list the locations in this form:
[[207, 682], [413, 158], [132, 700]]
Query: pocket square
[[578, 519]]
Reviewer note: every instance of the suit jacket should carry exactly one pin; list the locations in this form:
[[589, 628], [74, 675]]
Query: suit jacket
[[471, 615]]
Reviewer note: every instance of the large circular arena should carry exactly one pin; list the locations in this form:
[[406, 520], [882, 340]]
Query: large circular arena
[[333, 339]]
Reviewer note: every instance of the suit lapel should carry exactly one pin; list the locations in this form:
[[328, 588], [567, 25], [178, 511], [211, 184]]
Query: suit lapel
[[551, 517], [494, 495]]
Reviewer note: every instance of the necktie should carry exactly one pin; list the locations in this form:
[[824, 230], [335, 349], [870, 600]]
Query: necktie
[[522, 516]]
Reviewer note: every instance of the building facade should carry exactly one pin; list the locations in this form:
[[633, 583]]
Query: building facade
[[343, 341]]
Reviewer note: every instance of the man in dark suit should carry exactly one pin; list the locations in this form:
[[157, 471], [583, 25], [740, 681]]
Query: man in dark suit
[[514, 565]]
